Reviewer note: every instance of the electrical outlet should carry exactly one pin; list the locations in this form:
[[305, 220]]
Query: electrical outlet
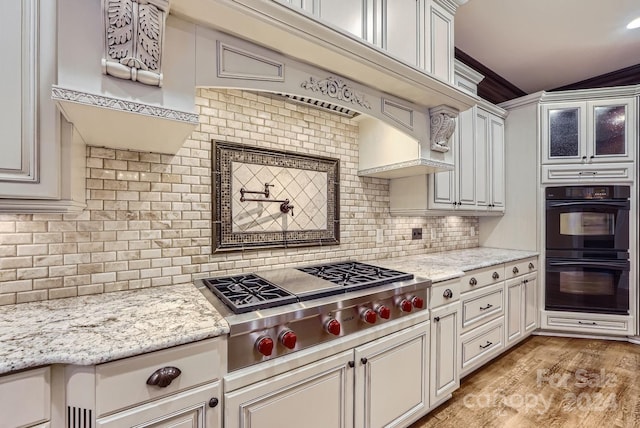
[[416, 233]]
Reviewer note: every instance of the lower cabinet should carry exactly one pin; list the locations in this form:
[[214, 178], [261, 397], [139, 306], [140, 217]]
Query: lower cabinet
[[191, 409], [445, 355], [522, 307], [25, 398], [349, 389]]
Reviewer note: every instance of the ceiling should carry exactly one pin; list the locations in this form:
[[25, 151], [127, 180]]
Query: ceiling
[[545, 44]]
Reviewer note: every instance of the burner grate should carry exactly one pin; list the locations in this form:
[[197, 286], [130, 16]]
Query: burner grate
[[356, 275], [246, 293]]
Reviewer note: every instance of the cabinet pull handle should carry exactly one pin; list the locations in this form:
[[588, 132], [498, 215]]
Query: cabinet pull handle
[[437, 319], [484, 308], [363, 360], [531, 266], [515, 270], [584, 158], [447, 294], [473, 282], [352, 364], [587, 323], [495, 275], [213, 402], [163, 377], [486, 346]]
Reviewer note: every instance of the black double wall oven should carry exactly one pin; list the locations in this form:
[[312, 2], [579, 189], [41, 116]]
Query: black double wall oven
[[587, 249]]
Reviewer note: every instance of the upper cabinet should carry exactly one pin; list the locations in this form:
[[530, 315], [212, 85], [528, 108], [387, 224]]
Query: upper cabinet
[[417, 32], [584, 132], [38, 148]]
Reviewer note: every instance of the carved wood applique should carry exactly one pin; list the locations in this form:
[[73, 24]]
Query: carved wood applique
[[443, 123], [134, 37], [336, 88]]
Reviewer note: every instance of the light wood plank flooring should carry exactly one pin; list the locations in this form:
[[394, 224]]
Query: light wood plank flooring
[[549, 382]]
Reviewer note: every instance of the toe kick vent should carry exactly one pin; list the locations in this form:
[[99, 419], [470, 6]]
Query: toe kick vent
[[77, 417]]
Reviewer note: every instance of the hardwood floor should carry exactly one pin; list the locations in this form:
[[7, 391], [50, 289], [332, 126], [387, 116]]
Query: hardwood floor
[[549, 382]]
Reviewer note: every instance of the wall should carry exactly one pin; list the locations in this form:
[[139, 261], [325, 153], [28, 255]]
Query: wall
[[148, 221]]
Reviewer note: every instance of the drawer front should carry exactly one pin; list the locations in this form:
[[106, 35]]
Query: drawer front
[[592, 324], [520, 267], [479, 278], [572, 173], [444, 292], [123, 383], [482, 306], [26, 398], [479, 344]]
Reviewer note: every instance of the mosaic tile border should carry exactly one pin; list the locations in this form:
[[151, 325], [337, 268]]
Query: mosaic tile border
[[224, 239]]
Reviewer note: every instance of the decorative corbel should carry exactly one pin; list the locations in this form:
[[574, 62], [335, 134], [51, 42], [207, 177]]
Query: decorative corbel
[[134, 39], [443, 123]]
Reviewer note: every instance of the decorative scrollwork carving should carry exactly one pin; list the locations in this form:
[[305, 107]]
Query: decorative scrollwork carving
[[134, 31], [336, 88], [442, 126]]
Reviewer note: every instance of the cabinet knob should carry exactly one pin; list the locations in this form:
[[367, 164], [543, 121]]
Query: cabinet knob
[[351, 364], [495, 275], [584, 158], [515, 270], [363, 360], [473, 282], [163, 377], [436, 319], [447, 294], [531, 266], [213, 402]]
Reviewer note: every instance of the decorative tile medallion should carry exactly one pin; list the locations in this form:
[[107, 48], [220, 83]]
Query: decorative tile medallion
[[270, 198]]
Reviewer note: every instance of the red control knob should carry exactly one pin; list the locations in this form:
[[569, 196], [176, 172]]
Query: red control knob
[[384, 312], [405, 305], [288, 339], [418, 302], [333, 327], [369, 316], [264, 345]]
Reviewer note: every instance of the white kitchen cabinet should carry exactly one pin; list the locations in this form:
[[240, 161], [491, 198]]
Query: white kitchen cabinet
[[399, 29], [392, 378], [521, 306], [439, 39], [445, 355], [26, 398], [38, 148], [477, 184], [195, 408], [586, 132]]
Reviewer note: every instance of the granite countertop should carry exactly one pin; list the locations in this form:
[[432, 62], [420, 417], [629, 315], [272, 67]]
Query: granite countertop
[[94, 329], [452, 264]]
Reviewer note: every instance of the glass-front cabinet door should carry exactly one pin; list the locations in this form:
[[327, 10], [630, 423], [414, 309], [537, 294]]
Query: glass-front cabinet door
[[564, 127], [611, 130], [588, 132]]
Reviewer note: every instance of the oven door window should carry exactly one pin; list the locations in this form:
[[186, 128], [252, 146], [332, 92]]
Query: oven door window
[[587, 224], [587, 286]]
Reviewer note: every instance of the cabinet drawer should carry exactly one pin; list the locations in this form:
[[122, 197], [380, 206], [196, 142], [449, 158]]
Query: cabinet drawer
[[593, 323], [26, 398], [440, 296], [568, 173], [480, 344], [123, 383], [520, 267], [478, 278], [482, 305]]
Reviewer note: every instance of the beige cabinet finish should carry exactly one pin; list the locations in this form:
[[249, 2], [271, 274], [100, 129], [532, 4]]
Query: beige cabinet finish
[[481, 344], [482, 305], [521, 307], [445, 354], [25, 398], [392, 379]]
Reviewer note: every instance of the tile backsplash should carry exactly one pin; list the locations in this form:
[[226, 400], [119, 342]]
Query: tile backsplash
[[148, 216]]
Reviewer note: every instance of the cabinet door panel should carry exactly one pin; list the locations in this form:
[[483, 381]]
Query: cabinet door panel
[[345, 14], [530, 302], [400, 29], [400, 359], [612, 124], [514, 310], [320, 394], [439, 49], [445, 356], [482, 159], [496, 133], [564, 128], [466, 168]]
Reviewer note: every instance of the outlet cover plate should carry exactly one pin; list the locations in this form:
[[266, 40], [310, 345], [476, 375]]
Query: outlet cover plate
[[416, 233]]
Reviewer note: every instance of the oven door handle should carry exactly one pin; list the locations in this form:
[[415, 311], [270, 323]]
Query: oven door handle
[[590, 203], [606, 264]]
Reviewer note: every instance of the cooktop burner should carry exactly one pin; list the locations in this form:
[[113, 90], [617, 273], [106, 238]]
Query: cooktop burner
[[356, 275], [245, 293]]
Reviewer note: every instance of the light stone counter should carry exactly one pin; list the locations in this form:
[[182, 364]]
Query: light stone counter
[[452, 264], [94, 329]]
